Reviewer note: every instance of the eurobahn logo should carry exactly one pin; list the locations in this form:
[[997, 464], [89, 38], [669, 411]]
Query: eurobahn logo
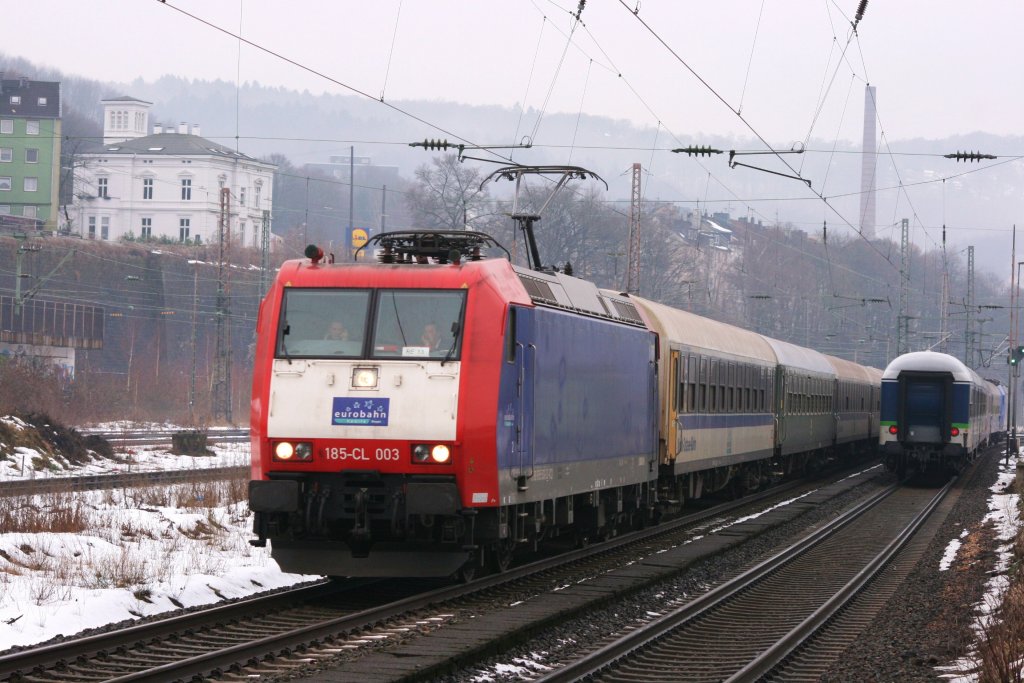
[[368, 412]]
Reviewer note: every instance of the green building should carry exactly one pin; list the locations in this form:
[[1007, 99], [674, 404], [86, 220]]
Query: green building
[[30, 135]]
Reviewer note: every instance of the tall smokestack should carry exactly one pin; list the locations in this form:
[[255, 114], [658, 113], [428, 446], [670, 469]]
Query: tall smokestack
[[869, 154]]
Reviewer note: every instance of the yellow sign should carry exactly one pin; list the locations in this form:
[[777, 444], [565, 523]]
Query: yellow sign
[[359, 237]]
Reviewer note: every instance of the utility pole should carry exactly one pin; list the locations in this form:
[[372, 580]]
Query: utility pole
[[1011, 418], [969, 341], [903, 322], [192, 381], [944, 302], [222, 361], [351, 202], [265, 253], [633, 269]]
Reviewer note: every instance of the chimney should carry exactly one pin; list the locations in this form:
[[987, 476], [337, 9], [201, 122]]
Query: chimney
[[183, 128], [158, 128], [195, 129]]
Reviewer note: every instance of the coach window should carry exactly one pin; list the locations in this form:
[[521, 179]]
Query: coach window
[[691, 377], [322, 323], [418, 323]]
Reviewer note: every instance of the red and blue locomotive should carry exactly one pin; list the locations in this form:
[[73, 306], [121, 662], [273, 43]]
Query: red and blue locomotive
[[423, 415]]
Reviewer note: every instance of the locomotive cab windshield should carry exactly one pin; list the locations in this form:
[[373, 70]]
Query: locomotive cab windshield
[[377, 324]]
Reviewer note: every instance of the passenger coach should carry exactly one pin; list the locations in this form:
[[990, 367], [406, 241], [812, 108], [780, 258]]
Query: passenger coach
[[936, 413]]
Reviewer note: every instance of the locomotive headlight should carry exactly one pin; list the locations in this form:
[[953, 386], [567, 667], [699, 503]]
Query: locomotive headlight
[[440, 454], [427, 454], [286, 451], [364, 378]]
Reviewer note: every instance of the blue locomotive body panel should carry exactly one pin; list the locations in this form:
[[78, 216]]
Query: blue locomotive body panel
[[554, 407]]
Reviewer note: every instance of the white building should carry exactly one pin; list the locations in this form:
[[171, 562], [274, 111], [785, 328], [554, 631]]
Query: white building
[[166, 184]]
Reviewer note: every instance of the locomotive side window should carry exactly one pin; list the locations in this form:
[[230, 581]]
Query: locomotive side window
[[418, 323], [510, 337], [327, 323]]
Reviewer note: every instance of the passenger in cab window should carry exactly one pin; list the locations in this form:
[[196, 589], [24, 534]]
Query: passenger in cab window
[[336, 331], [430, 338]]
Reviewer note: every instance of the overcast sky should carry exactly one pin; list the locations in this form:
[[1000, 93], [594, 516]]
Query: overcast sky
[[941, 67]]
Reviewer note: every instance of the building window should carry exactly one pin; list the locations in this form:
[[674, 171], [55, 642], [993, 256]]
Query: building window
[[28, 211], [183, 228], [147, 188], [15, 99], [31, 155], [105, 227], [6, 154], [257, 202], [42, 101], [186, 188], [241, 233], [101, 188], [147, 228], [31, 128], [5, 183], [31, 184], [5, 209], [92, 227], [241, 197], [7, 126]]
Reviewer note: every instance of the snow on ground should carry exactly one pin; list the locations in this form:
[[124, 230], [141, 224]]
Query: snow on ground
[[77, 560], [1003, 514]]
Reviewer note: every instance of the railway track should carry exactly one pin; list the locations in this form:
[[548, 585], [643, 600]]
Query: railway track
[[122, 441], [345, 628], [158, 437], [98, 482], [750, 627]]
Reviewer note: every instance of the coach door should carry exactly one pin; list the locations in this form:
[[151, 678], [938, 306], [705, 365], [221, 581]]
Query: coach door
[[523, 332], [677, 383]]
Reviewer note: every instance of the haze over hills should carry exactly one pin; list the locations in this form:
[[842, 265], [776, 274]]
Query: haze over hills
[[978, 205]]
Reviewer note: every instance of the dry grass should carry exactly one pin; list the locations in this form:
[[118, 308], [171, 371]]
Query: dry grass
[[1001, 643], [59, 512], [100, 540]]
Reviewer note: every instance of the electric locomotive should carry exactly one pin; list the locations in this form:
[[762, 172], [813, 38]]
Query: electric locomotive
[[936, 413], [429, 413]]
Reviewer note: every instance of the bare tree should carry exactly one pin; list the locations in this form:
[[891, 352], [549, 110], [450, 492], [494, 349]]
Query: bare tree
[[447, 195]]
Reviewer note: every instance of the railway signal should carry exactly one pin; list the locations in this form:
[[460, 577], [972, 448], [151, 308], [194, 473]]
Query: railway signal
[[1016, 355]]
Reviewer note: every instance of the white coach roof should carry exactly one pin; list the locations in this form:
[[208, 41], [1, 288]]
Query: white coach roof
[[928, 361], [690, 329]]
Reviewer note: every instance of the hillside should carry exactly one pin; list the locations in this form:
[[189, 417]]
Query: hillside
[[978, 208]]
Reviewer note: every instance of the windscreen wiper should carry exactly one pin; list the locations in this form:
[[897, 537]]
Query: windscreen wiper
[[456, 330], [284, 347]]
